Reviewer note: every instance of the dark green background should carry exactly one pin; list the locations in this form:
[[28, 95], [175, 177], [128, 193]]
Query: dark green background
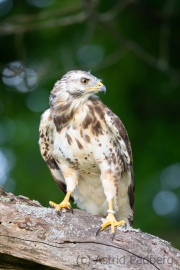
[[134, 46]]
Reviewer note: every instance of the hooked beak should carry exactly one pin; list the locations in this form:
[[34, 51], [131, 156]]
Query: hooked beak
[[101, 87]]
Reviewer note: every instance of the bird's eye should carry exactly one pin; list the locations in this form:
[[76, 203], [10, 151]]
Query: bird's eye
[[84, 81]]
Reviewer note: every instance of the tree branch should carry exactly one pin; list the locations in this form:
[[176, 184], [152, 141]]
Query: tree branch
[[9, 28], [141, 53], [86, 12], [32, 236]]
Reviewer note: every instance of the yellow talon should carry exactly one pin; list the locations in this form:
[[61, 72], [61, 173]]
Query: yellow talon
[[64, 204], [111, 220]]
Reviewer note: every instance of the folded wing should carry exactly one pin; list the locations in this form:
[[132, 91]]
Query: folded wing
[[46, 143]]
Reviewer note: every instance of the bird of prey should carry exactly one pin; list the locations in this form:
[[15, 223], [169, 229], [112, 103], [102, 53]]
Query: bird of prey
[[87, 150]]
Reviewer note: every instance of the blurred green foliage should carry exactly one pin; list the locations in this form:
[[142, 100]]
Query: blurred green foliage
[[134, 47]]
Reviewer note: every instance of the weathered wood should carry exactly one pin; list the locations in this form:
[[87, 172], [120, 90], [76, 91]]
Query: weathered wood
[[35, 237]]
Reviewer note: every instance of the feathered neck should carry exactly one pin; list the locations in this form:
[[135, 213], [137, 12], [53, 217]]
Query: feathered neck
[[63, 105], [61, 102]]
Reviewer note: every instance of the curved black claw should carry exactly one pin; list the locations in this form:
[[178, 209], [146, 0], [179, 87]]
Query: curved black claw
[[58, 212], [98, 231], [112, 236], [71, 209]]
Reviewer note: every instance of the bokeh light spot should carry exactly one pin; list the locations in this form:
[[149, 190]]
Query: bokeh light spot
[[5, 6], [7, 129], [38, 101], [90, 55], [9, 185], [16, 75], [7, 161], [165, 202], [3, 168], [170, 176]]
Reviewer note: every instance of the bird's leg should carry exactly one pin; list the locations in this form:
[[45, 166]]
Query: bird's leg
[[71, 180], [111, 220], [64, 204]]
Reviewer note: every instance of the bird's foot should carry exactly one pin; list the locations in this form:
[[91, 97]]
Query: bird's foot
[[64, 204], [111, 220]]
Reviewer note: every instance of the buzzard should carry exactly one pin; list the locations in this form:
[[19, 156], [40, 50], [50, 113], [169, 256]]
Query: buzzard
[[87, 150]]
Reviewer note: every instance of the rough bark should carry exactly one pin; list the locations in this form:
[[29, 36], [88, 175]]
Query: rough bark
[[35, 237]]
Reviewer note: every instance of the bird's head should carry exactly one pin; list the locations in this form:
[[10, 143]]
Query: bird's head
[[78, 84]]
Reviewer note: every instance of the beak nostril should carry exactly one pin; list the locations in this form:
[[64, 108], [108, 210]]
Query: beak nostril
[[100, 84]]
